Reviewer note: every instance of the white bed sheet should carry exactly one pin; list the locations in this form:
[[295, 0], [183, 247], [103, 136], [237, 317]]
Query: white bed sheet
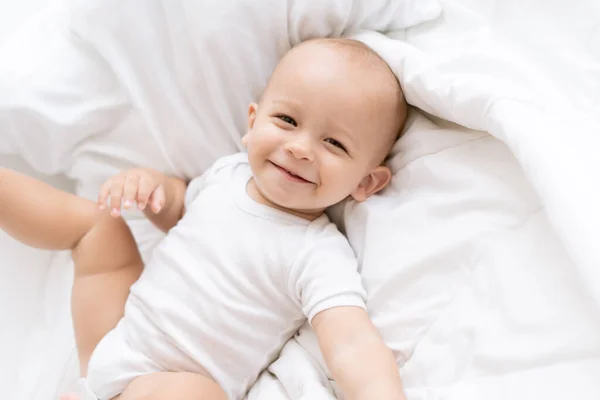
[[492, 294]]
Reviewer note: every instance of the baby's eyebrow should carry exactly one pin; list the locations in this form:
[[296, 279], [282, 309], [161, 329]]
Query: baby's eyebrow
[[285, 102]]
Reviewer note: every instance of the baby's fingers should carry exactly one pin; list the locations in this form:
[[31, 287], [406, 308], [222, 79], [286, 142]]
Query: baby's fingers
[[145, 188], [130, 190], [157, 199], [103, 194], [116, 196]]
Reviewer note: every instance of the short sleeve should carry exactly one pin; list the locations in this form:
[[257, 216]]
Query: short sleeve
[[326, 274], [221, 171]]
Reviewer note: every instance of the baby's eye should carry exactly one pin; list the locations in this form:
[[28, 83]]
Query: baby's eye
[[335, 143], [287, 119]]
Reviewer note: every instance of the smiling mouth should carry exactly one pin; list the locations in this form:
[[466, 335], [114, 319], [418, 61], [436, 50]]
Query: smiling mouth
[[290, 175]]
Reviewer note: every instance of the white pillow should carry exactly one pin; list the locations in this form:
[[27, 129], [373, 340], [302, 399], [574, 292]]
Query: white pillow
[[97, 86]]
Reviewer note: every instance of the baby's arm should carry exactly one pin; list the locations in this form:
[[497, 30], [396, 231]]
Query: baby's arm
[[161, 197], [360, 362], [325, 279]]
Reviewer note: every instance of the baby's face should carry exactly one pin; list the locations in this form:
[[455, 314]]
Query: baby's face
[[320, 133]]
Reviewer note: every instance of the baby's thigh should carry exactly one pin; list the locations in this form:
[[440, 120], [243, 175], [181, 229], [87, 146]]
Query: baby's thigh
[[173, 385]]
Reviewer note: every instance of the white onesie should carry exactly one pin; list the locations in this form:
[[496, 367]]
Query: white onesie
[[228, 286]]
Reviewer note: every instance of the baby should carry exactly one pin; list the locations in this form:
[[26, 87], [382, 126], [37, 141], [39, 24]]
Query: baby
[[249, 254]]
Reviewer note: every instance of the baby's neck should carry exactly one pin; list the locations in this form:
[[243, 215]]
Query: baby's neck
[[256, 195]]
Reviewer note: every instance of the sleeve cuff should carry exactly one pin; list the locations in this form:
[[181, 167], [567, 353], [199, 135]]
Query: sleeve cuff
[[345, 300]]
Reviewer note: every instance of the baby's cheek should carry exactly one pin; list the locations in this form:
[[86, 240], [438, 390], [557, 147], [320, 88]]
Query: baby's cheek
[[337, 190]]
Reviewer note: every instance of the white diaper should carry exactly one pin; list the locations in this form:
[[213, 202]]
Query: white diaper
[[115, 363], [135, 347]]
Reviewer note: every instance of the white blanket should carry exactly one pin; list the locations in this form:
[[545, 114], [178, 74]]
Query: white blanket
[[481, 260]]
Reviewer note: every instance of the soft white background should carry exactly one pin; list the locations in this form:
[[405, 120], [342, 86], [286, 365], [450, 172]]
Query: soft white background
[[12, 15]]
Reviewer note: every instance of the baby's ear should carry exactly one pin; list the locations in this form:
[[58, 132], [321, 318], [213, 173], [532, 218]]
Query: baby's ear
[[376, 180], [252, 108]]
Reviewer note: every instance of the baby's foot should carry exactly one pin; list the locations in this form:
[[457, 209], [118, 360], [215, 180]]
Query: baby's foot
[[69, 397]]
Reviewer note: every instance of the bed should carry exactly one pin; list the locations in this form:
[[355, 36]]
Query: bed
[[481, 260]]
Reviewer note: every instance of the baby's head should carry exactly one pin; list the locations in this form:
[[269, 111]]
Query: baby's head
[[325, 123]]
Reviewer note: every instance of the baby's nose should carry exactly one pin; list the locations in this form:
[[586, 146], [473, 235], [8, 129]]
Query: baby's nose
[[300, 148]]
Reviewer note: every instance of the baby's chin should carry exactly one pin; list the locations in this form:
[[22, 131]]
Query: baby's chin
[[299, 202], [294, 204]]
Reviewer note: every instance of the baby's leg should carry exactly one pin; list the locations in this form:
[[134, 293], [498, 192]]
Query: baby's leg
[[106, 258]]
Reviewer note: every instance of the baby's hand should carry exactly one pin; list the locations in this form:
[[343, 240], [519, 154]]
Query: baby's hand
[[142, 185]]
